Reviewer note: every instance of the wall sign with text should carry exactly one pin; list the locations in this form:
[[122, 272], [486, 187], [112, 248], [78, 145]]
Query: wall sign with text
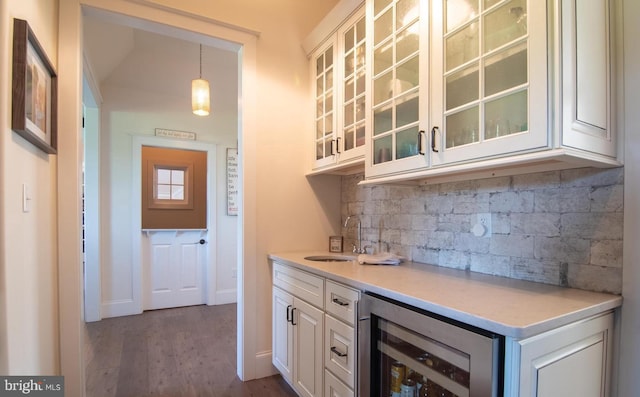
[[232, 181]]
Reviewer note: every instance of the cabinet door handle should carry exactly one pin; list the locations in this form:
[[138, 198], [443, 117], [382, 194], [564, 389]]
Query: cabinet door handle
[[339, 302], [333, 147], [293, 316], [289, 317], [338, 145], [338, 352], [421, 133], [433, 139]]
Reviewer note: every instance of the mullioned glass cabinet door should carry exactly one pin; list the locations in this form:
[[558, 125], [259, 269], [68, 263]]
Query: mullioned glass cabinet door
[[352, 48], [397, 73], [490, 63], [323, 64]]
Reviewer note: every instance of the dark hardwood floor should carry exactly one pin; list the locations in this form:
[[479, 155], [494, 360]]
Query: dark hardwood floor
[[188, 351]]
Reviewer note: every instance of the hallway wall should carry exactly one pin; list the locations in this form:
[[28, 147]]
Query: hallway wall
[[28, 255]]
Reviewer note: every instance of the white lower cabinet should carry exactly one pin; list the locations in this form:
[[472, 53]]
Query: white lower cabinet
[[573, 360], [334, 388], [315, 346]]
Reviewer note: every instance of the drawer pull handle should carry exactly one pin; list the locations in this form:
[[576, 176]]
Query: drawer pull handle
[[339, 302], [289, 317], [338, 352]]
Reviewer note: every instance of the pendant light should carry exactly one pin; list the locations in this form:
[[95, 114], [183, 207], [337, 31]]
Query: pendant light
[[200, 93]]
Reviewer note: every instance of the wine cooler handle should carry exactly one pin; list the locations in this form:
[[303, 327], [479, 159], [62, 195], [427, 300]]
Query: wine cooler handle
[[339, 302], [338, 352], [433, 139], [421, 133]]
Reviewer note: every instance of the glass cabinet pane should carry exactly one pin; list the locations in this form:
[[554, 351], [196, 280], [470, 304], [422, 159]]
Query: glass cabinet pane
[[505, 70], [459, 12], [407, 11], [462, 87], [462, 47], [383, 27], [407, 75], [408, 42], [407, 143], [382, 58], [462, 127], [382, 150], [407, 111], [506, 115], [382, 121], [379, 5], [505, 24]]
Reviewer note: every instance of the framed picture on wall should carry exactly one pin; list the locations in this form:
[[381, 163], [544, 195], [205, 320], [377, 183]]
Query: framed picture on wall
[[34, 90]]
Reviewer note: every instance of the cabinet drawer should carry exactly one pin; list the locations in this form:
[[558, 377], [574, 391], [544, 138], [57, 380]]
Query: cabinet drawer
[[334, 388], [340, 350], [340, 302], [299, 283]]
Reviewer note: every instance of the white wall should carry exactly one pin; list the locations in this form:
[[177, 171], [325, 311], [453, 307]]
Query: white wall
[[28, 256]]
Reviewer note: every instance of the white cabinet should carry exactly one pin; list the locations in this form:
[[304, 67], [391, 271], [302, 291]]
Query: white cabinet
[[340, 334], [298, 329], [338, 78], [504, 87], [398, 74], [573, 360], [308, 343]]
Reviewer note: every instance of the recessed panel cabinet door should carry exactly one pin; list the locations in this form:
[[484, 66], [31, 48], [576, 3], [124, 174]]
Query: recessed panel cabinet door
[[282, 338], [176, 266], [308, 329]]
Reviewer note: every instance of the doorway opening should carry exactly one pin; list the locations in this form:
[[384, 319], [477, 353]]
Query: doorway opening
[[122, 108]]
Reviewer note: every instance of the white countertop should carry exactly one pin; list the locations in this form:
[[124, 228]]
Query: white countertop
[[509, 307]]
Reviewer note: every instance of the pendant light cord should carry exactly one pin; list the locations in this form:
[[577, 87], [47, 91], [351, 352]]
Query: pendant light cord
[[200, 60]]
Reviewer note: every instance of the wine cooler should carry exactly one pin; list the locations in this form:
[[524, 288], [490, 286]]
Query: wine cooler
[[407, 352]]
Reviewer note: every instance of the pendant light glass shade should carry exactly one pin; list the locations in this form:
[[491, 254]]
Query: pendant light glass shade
[[200, 93], [200, 97]]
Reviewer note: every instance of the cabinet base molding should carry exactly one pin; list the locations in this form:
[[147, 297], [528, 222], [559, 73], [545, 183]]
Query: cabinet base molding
[[550, 160]]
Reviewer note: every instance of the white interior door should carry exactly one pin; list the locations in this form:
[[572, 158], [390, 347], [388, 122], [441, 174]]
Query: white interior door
[[176, 268]]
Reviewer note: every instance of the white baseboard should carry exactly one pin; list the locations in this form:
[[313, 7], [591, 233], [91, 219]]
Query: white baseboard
[[226, 296], [264, 367], [119, 308]]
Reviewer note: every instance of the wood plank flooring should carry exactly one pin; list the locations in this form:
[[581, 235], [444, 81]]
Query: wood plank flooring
[[188, 351]]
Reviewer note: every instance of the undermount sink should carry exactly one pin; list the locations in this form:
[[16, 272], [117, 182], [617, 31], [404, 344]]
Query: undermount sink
[[329, 258]]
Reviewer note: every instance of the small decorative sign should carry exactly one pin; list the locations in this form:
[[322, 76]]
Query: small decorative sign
[[191, 136], [232, 181], [335, 244]]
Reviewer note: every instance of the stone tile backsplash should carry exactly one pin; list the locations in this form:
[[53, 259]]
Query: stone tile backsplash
[[560, 227]]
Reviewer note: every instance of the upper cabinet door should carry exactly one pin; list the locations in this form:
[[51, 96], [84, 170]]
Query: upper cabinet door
[[352, 39], [323, 66], [398, 70], [490, 82]]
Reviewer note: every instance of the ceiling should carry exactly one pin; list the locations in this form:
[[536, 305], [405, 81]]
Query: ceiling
[[126, 56]]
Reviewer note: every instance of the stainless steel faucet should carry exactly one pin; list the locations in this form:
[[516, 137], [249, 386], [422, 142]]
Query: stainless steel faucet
[[359, 249]]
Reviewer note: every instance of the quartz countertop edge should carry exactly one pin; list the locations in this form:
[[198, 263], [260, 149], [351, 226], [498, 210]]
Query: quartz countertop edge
[[509, 307]]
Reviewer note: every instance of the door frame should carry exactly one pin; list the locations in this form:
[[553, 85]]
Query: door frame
[[69, 164], [210, 268]]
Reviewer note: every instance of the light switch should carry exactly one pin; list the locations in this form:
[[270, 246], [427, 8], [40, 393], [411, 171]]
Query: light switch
[[26, 198]]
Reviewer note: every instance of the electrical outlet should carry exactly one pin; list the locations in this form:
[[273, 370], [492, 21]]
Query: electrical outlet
[[484, 220]]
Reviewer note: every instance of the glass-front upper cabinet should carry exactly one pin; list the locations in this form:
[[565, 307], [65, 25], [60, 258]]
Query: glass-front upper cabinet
[[489, 79], [325, 123], [338, 72], [352, 48], [398, 73]]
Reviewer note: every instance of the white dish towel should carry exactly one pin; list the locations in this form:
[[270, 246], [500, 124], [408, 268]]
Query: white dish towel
[[383, 258]]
